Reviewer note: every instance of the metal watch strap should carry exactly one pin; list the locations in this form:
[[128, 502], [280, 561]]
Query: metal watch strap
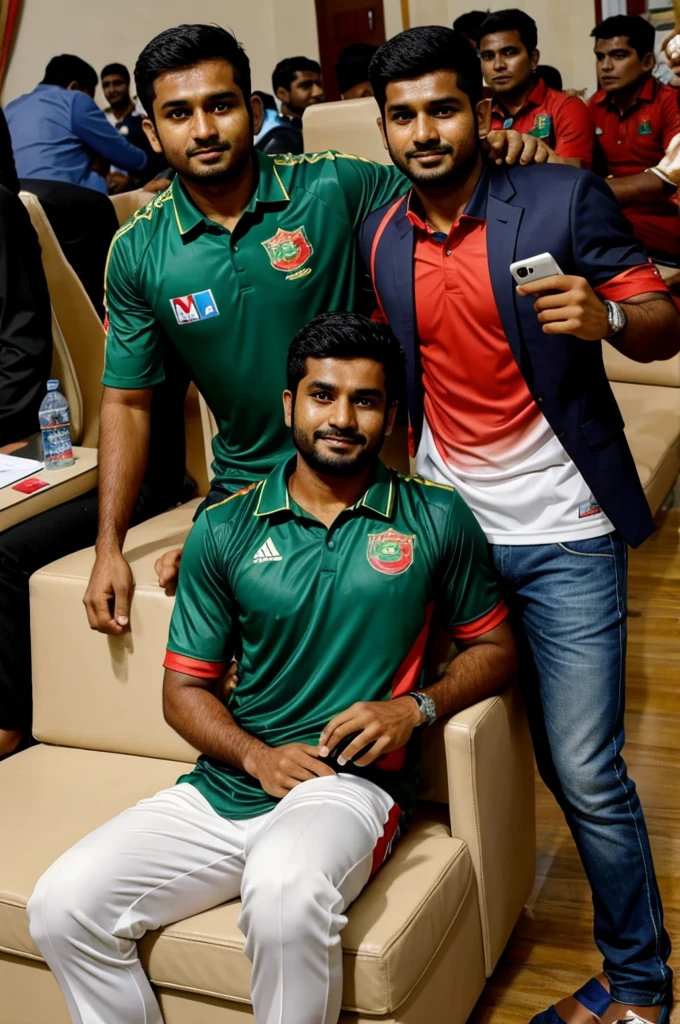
[[616, 318]]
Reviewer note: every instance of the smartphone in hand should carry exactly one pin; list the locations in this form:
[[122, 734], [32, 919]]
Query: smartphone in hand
[[534, 268]]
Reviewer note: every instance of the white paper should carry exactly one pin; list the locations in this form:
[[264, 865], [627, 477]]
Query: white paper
[[13, 469]]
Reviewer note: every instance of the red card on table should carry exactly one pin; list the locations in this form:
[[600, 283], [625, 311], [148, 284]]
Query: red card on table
[[30, 485]]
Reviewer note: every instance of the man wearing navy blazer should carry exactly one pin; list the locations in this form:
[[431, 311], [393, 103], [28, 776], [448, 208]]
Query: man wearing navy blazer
[[509, 402]]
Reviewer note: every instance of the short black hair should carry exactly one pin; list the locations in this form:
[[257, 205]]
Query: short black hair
[[351, 67], [550, 76], [469, 23], [67, 68], [508, 21], [115, 69], [420, 51], [639, 32], [286, 70], [183, 47], [341, 335], [268, 101]]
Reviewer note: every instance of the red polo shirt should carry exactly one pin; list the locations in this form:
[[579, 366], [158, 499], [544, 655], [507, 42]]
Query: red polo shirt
[[562, 121], [488, 431], [629, 143]]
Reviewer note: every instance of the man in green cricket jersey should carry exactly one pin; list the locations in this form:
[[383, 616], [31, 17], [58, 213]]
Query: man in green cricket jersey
[[225, 266], [326, 577]]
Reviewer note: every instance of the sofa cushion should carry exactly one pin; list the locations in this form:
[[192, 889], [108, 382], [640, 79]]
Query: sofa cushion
[[52, 796], [652, 417]]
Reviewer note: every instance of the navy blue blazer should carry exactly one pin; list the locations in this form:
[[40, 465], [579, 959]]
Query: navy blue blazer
[[529, 210]]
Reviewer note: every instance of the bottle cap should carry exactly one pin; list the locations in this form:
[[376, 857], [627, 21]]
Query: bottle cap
[[53, 385]]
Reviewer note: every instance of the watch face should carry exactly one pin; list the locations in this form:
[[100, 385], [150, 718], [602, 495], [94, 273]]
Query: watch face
[[429, 710]]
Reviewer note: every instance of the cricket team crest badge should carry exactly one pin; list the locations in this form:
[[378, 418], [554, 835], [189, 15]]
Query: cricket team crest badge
[[288, 252], [390, 552]]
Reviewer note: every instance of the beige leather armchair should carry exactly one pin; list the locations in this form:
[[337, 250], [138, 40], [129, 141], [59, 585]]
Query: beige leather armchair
[[421, 938], [348, 126], [127, 203], [648, 395], [78, 358]]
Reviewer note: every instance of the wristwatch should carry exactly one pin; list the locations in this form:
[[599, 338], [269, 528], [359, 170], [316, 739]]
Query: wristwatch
[[426, 705], [616, 317]]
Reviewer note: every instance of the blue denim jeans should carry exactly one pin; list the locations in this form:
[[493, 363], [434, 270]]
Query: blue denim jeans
[[568, 603]]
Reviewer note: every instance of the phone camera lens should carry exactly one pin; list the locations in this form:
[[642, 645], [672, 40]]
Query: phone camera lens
[[522, 272]]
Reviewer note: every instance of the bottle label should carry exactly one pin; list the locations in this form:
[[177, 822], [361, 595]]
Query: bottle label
[[56, 440]]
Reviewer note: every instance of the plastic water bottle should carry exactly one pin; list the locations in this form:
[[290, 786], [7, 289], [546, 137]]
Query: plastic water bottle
[[55, 428]]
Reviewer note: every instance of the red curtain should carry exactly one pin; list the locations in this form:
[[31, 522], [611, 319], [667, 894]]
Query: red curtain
[[9, 12]]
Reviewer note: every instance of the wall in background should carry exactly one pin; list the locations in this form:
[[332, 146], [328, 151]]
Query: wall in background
[[295, 29], [269, 30], [101, 33]]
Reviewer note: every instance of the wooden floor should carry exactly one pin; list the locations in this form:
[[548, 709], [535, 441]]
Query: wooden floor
[[551, 952]]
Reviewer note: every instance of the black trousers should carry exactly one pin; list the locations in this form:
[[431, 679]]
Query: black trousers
[[84, 222]]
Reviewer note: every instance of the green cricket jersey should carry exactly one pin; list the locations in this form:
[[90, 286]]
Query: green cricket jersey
[[320, 618], [231, 302]]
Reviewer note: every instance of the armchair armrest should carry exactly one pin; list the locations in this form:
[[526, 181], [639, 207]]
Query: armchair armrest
[[490, 767]]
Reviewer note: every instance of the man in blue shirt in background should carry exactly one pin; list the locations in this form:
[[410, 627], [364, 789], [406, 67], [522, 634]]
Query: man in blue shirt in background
[[62, 146], [58, 131]]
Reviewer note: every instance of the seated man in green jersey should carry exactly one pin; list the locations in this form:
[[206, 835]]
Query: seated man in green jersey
[[223, 268], [326, 577]]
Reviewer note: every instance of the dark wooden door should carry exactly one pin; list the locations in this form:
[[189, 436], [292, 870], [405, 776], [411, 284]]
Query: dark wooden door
[[340, 22]]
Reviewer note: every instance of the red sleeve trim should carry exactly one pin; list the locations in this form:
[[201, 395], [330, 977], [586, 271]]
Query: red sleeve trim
[[634, 281], [193, 666], [471, 630]]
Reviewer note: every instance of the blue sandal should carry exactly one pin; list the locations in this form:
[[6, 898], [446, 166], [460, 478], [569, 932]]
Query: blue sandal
[[593, 995]]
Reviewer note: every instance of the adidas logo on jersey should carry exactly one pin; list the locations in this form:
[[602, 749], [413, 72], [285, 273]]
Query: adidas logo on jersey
[[267, 553]]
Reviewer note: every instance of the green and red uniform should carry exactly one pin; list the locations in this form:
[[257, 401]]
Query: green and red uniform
[[321, 618]]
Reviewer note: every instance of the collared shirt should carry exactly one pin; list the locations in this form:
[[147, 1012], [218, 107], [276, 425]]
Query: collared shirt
[[56, 133], [631, 142], [561, 121], [483, 431], [323, 617], [231, 303]]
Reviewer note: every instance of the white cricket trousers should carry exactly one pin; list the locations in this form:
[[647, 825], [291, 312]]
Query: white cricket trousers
[[296, 869]]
